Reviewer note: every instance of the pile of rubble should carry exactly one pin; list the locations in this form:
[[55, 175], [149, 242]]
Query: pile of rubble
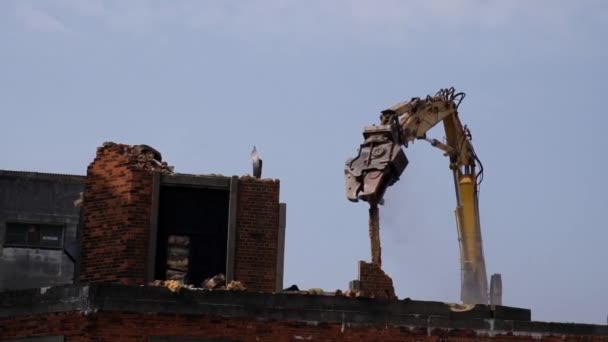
[[320, 292], [143, 156], [178, 252], [150, 159], [216, 283], [176, 275], [219, 283]]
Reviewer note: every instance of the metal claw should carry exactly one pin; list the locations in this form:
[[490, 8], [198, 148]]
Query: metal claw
[[377, 166]]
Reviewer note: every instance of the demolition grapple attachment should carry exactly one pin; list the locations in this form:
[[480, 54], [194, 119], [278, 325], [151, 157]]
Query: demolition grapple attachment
[[378, 165]]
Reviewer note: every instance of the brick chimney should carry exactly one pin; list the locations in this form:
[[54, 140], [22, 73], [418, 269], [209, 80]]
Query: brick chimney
[[117, 214]]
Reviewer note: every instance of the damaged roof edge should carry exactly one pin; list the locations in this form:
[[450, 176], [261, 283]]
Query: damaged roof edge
[[206, 180], [484, 320], [176, 179], [42, 176]]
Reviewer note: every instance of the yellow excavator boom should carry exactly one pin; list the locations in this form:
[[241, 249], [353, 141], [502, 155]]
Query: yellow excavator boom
[[381, 161]]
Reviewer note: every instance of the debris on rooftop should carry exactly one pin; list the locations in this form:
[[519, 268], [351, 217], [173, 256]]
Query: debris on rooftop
[[172, 285], [142, 156], [457, 307], [213, 284], [178, 251], [315, 291], [358, 294], [236, 286], [217, 282]]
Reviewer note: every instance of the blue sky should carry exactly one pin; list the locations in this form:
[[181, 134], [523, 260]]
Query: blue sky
[[203, 81]]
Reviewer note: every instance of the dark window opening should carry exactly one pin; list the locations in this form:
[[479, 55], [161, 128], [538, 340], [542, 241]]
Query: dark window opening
[[33, 235], [192, 234]]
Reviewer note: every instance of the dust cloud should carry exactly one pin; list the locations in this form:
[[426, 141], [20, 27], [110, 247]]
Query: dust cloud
[[418, 230]]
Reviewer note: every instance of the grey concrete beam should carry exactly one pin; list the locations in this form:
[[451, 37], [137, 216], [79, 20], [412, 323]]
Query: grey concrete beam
[[232, 228], [203, 181]]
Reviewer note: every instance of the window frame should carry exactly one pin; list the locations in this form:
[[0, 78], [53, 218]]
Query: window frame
[[40, 226]]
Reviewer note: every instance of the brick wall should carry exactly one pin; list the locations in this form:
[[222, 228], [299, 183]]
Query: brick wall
[[122, 326], [71, 324], [116, 213], [117, 219], [374, 282], [258, 233]]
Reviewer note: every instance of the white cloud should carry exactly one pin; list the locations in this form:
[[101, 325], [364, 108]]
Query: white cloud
[[35, 19], [384, 19]]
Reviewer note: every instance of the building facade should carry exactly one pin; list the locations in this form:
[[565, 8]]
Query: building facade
[[141, 224], [38, 228]]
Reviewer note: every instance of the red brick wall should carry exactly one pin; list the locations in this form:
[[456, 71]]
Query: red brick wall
[[117, 208], [117, 326], [116, 212], [72, 325], [257, 233], [374, 282]]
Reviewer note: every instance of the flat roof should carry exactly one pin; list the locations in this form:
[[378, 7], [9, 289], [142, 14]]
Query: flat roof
[[42, 176]]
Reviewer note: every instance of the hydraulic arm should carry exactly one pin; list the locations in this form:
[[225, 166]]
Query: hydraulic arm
[[381, 161]]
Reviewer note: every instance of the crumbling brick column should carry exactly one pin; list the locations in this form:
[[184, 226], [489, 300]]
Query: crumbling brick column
[[374, 234], [116, 214], [373, 282], [258, 233]]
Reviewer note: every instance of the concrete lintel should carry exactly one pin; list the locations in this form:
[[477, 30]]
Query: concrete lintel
[[204, 181]]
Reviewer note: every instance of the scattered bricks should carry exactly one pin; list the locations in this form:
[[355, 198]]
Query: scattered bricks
[[217, 282], [373, 282], [147, 158], [258, 233], [236, 285]]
